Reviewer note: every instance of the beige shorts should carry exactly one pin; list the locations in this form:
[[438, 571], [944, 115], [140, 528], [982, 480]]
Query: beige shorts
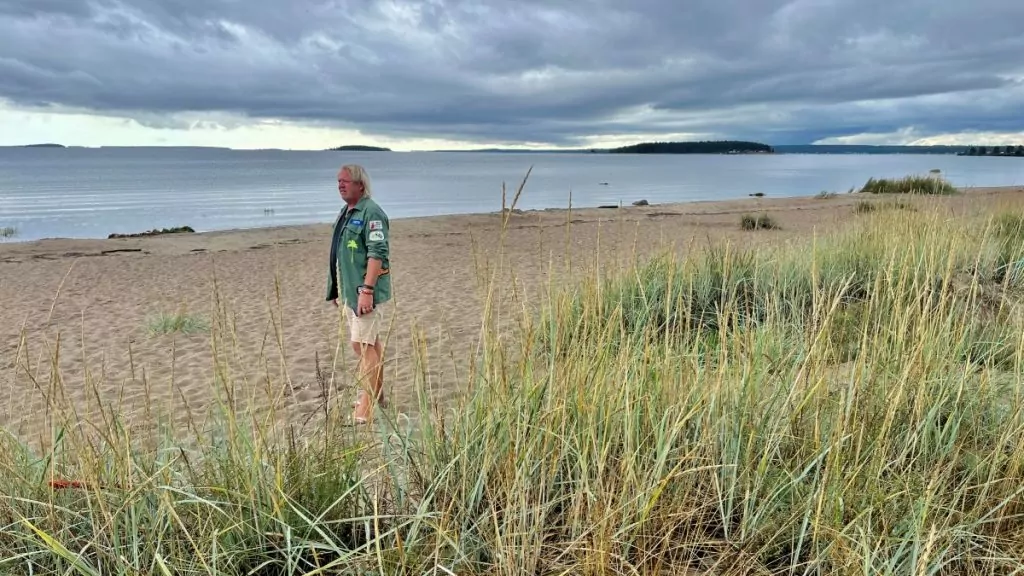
[[366, 329]]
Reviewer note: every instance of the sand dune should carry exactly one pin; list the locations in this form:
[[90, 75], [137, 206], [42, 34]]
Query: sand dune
[[256, 298]]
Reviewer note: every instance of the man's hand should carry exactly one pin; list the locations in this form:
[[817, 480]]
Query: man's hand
[[335, 302], [365, 304]]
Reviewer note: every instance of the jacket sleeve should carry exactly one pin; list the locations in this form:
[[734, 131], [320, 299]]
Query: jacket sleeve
[[332, 264], [377, 235]]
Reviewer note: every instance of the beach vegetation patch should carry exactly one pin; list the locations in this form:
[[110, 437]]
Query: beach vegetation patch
[[932, 185], [867, 206], [176, 322], [757, 222]]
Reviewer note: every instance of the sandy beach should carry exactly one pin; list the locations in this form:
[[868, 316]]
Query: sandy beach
[[261, 292]]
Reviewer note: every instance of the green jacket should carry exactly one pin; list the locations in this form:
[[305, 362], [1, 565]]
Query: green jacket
[[360, 233]]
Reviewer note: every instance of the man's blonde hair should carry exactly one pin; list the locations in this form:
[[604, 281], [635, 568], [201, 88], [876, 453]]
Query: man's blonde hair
[[359, 174]]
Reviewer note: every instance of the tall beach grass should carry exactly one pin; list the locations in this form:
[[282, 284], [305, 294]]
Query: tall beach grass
[[933, 183], [847, 405]]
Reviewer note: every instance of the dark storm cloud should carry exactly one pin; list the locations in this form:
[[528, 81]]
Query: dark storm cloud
[[530, 70]]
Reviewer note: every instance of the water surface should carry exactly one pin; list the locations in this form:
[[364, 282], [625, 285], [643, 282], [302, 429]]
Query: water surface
[[90, 193]]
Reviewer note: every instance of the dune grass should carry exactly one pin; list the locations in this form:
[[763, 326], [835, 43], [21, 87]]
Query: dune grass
[[757, 222], [180, 321], [8, 232], [866, 206], [931, 184], [851, 405]]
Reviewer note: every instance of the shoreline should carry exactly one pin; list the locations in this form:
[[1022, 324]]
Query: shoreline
[[749, 203]]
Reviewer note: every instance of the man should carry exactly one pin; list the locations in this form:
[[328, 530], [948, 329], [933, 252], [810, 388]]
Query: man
[[360, 277]]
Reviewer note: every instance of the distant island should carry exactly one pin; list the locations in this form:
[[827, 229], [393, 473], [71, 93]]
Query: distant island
[[702, 147], [994, 151], [42, 146], [359, 148], [866, 149], [739, 147]]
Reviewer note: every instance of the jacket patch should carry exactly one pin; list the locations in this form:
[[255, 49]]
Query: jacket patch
[[356, 222], [376, 225], [376, 236]]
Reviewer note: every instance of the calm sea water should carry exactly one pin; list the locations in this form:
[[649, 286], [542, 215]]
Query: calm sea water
[[90, 193]]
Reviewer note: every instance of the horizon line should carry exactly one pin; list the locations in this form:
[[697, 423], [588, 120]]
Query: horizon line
[[481, 149]]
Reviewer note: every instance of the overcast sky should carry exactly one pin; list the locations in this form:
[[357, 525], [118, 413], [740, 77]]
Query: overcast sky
[[456, 73]]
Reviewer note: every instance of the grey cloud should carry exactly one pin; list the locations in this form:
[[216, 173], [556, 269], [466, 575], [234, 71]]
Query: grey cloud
[[550, 71], [31, 8]]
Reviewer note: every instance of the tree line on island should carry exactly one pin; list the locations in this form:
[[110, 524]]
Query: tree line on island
[[701, 147], [1008, 150], [359, 148], [745, 147]]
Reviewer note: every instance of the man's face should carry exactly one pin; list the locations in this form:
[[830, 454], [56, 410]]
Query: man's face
[[350, 191]]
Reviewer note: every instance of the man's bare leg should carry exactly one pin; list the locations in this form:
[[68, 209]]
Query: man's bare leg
[[371, 375]]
